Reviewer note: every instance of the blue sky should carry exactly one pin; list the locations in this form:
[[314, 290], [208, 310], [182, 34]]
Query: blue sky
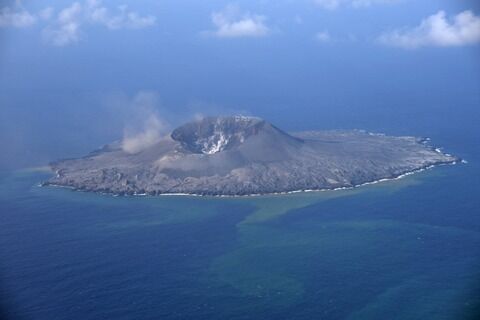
[[75, 75]]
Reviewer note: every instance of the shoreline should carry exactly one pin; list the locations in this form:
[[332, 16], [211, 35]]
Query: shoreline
[[400, 176]]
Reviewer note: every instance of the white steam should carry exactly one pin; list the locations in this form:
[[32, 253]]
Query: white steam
[[149, 128], [151, 134]]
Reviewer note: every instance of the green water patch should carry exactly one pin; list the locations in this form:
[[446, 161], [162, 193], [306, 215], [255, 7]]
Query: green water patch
[[276, 264], [430, 296], [327, 261], [270, 207]]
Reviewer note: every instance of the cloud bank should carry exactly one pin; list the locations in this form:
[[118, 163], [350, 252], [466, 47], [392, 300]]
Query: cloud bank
[[437, 30], [66, 27], [16, 18], [230, 23]]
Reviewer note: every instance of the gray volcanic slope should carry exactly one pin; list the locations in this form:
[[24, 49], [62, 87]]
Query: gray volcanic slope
[[246, 155]]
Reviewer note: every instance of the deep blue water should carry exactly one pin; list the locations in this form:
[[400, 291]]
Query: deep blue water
[[406, 249]]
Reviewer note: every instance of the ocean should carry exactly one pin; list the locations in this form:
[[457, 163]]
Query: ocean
[[402, 249]]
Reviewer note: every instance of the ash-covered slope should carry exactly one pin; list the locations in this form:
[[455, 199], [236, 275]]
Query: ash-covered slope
[[246, 155]]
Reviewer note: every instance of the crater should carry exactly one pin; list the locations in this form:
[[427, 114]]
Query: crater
[[215, 134]]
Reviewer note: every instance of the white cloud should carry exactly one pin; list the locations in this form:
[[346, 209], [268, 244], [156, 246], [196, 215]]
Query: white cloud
[[121, 18], [16, 18], [323, 36], [437, 30], [230, 23], [334, 4], [68, 24], [66, 27]]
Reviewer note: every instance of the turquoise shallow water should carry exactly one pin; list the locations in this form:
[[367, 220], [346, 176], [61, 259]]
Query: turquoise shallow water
[[405, 249]]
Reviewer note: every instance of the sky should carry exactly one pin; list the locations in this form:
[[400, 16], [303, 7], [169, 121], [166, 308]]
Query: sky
[[75, 75]]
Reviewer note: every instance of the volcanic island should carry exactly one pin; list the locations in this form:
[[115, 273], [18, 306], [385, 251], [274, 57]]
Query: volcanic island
[[239, 155]]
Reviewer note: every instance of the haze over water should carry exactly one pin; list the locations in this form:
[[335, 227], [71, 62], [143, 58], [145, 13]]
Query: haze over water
[[404, 249]]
